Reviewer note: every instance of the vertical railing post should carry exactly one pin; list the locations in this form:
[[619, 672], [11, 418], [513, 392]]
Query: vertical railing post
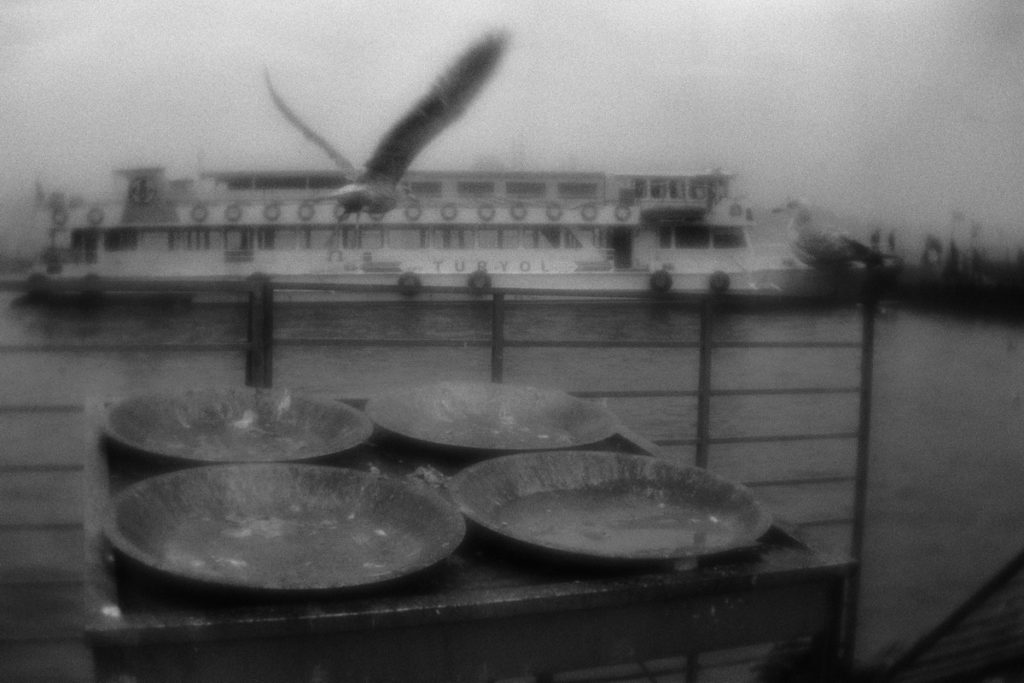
[[497, 337], [259, 368], [869, 307], [704, 383]]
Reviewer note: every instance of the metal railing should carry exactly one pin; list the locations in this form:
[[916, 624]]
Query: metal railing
[[261, 346]]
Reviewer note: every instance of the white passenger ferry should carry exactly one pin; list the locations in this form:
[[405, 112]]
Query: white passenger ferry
[[472, 230]]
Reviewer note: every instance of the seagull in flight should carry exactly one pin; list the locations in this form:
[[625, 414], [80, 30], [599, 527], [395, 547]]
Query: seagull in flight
[[374, 189], [822, 247]]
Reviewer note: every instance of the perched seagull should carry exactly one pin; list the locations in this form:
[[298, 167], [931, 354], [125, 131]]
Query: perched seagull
[[374, 190], [822, 247]]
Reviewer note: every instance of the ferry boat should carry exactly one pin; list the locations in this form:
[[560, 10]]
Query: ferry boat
[[470, 230]]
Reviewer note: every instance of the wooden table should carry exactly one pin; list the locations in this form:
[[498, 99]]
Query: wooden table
[[482, 615]]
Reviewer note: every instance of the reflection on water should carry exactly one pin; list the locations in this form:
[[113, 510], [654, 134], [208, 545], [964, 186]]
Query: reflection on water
[[948, 421]]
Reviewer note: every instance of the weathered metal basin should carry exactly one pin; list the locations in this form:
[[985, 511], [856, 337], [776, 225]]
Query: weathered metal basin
[[608, 506], [468, 417], [237, 424], [282, 528]]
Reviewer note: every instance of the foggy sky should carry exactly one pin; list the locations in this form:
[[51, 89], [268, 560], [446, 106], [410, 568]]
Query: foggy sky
[[897, 111]]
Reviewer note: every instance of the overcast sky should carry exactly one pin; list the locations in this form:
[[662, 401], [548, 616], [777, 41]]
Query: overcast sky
[[901, 111]]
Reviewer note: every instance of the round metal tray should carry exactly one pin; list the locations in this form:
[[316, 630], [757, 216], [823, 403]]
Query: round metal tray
[[608, 506], [237, 424], [282, 528], [467, 417]]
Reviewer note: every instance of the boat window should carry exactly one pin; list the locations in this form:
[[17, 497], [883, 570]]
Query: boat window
[[320, 238], [152, 241], [487, 238], [371, 238], [727, 238], [526, 189], [349, 237], [577, 190], [407, 238], [640, 188], [673, 188], [451, 238], [425, 188], [286, 239], [216, 238], [577, 238], [658, 189], [325, 182], [265, 238], [121, 239], [698, 190], [475, 189], [510, 238], [665, 237], [237, 239], [542, 238], [691, 236]]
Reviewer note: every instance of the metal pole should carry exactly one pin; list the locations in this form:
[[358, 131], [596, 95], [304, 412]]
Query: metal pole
[[497, 337], [259, 370], [869, 308], [704, 383]]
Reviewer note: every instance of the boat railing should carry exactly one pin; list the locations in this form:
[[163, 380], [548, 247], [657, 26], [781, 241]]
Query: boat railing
[[259, 294]]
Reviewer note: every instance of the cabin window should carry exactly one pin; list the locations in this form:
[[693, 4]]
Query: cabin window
[[640, 188], [152, 241], [122, 239], [658, 189], [487, 238], [542, 238], [675, 189], [265, 238], [522, 188], [287, 239], [349, 237], [235, 240], [475, 189], [371, 238], [407, 238], [324, 182], [691, 236], [577, 190], [510, 238], [426, 188], [451, 238], [665, 236], [698, 190], [727, 238], [319, 238]]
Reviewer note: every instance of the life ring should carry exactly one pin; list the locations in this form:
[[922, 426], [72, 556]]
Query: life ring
[[518, 211], [449, 212], [409, 283], [60, 216], [718, 282], [486, 212], [588, 212], [479, 281], [413, 212], [554, 211], [95, 216], [306, 211], [622, 213], [272, 212], [233, 212], [199, 213], [661, 281]]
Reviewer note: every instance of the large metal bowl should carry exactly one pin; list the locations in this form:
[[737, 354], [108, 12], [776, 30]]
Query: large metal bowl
[[235, 424], [282, 528], [608, 506], [473, 417]]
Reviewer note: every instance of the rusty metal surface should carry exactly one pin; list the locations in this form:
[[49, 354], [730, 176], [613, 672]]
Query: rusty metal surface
[[609, 506], [476, 418], [235, 425], [291, 529]]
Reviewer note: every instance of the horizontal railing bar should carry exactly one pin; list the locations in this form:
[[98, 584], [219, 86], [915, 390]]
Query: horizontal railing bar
[[790, 391], [54, 467], [350, 342], [50, 526], [785, 345], [53, 408], [833, 521], [637, 393], [772, 438], [799, 482], [123, 347], [675, 442]]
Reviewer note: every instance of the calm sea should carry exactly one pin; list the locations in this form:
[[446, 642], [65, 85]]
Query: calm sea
[[947, 467]]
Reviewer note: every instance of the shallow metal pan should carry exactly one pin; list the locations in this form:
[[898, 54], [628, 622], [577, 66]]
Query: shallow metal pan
[[282, 529], [608, 507], [237, 424], [467, 418]]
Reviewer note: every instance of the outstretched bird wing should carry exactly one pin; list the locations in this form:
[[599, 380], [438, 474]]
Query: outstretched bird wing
[[444, 103], [344, 164]]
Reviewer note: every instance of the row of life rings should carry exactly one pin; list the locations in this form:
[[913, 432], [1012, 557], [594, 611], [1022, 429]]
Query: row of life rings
[[409, 283], [661, 281], [518, 211]]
